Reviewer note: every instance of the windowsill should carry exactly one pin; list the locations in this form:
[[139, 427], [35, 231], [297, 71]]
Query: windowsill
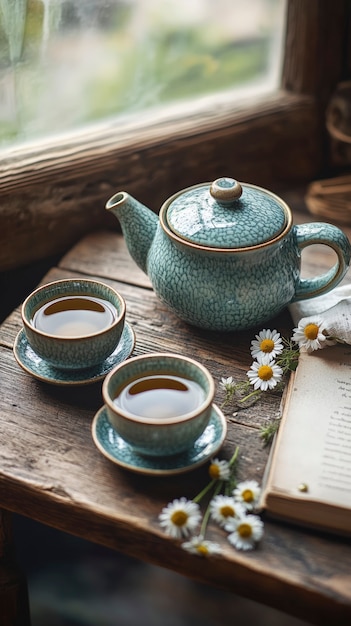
[[94, 148]]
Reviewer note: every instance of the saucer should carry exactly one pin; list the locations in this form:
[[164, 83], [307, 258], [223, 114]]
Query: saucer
[[114, 448], [40, 369]]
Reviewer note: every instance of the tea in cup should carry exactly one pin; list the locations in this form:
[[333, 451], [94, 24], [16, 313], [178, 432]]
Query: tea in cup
[[159, 403], [74, 323]]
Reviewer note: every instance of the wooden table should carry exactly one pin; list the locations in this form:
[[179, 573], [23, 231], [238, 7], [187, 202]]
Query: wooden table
[[51, 471]]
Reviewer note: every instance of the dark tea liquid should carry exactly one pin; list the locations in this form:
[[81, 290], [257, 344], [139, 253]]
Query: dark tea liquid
[[160, 396], [72, 316]]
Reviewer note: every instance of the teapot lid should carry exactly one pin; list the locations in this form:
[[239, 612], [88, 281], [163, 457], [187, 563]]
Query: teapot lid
[[226, 214]]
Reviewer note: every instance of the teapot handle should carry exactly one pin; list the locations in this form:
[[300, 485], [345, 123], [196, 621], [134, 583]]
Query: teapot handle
[[329, 235]]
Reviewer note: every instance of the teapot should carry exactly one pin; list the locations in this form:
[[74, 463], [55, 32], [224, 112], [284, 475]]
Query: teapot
[[225, 255]]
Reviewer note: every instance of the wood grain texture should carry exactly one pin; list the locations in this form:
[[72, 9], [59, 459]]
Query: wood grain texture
[[316, 58], [52, 193], [51, 471], [50, 199], [316, 42]]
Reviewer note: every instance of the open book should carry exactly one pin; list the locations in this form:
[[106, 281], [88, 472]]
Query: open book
[[308, 475]]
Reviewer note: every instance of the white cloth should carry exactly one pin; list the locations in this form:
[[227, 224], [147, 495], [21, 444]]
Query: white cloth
[[334, 308]]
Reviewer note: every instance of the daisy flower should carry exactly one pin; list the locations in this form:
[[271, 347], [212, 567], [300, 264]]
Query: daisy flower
[[245, 532], [247, 493], [201, 547], [219, 470], [310, 334], [227, 383], [264, 373], [224, 508], [267, 342], [180, 517]]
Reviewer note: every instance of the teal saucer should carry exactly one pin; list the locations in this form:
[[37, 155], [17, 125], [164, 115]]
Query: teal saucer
[[114, 448], [37, 367]]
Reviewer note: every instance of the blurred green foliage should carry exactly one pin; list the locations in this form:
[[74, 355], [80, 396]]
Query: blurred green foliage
[[71, 73]]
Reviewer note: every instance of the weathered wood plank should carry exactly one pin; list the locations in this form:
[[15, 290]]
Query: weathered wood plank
[[106, 256], [281, 138], [158, 329], [54, 441], [51, 198], [154, 135], [314, 57], [51, 471]]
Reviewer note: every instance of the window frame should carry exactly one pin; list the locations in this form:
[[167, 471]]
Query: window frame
[[54, 192]]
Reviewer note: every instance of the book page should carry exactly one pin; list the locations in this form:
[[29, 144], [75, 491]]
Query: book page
[[314, 447]]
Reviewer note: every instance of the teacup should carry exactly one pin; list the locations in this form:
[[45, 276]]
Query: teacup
[[159, 403], [73, 323]]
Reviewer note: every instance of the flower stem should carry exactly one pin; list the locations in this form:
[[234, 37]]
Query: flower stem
[[251, 395], [234, 457], [204, 491], [224, 403], [206, 516]]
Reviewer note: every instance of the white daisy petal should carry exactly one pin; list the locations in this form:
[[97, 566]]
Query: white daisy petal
[[219, 470], [310, 334], [227, 383], [245, 532], [180, 518], [267, 342], [223, 508], [247, 493], [264, 373], [201, 547]]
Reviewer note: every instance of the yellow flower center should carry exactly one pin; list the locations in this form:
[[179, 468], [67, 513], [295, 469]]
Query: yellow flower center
[[265, 372], [311, 331], [227, 511], [247, 495], [267, 345], [179, 518], [244, 530], [214, 471], [202, 549]]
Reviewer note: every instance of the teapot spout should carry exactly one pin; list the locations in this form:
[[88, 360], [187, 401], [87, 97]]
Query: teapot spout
[[138, 225]]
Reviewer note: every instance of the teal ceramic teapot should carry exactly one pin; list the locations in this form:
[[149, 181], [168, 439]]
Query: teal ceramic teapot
[[226, 255]]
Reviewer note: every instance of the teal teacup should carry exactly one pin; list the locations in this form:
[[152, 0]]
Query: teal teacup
[[159, 403], [74, 323]]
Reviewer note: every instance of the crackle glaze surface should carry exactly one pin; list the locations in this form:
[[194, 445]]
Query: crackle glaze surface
[[200, 269], [251, 219], [159, 437], [117, 450], [224, 291], [238, 290], [40, 369], [73, 352]]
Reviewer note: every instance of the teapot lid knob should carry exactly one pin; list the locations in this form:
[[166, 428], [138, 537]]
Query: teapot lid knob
[[225, 190]]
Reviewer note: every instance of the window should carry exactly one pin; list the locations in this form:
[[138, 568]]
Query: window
[[68, 63], [54, 191]]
